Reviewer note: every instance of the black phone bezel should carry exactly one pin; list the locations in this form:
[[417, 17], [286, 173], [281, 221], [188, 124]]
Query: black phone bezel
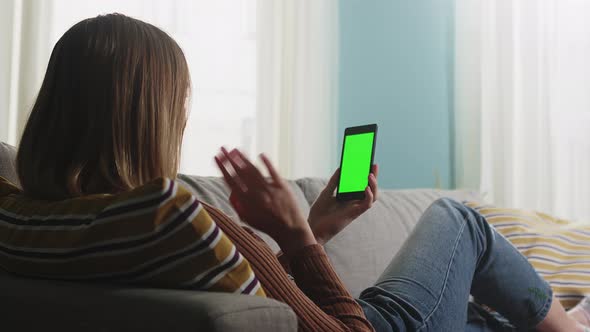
[[356, 195]]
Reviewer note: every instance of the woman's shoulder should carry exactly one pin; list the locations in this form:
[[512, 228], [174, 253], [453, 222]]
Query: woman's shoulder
[[149, 196]]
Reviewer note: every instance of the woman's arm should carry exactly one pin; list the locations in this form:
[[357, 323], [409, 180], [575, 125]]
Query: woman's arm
[[316, 277], [269, 206], [342, 313], [281, 257]]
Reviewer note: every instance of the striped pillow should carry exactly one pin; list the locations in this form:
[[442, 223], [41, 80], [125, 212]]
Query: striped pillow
[[157, 235], [558, 249]]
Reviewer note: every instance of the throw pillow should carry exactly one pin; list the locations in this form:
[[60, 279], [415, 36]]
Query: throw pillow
[[558, 249]]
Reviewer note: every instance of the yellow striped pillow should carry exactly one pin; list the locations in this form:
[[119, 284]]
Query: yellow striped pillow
[[558, 249], [157, 235]]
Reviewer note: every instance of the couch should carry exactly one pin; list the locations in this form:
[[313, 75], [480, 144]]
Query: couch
[[359, 254]]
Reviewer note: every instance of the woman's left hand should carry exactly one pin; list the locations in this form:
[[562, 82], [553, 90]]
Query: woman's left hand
[[267, 204], [328, 216]]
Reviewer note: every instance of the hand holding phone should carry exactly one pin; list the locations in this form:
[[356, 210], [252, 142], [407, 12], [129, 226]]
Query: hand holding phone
[[358, 152], [328, 216], [356, 189]]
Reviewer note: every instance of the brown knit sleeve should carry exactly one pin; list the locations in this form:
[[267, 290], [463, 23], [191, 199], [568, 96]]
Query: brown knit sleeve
[[283, 259], [285, 262], [315, 276], [324, 306]]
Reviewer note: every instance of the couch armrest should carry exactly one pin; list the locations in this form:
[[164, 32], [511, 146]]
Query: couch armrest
[[36, 305]]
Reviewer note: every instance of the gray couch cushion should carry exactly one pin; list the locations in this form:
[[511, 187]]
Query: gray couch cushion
[[214, 191], [8, 162], [361, 251], [39, 305]]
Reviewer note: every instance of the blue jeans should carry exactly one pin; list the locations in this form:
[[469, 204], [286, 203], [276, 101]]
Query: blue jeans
[[452, 253]]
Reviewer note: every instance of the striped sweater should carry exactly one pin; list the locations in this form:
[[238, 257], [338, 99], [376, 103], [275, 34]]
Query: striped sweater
[[157, 235]]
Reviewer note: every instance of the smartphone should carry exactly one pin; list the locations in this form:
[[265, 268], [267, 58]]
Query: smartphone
[[358, 151]]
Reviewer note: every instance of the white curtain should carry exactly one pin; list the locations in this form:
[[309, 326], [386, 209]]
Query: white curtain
[[297, 84], [523, 103], [24, 50]]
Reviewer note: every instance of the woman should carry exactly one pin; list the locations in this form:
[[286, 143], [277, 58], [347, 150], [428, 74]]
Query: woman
[[109, 118]]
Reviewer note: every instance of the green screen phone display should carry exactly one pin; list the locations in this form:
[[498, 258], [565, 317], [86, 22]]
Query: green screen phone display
[[356, 162]]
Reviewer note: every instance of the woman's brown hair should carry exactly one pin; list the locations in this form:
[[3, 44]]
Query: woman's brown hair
[[110, 113]]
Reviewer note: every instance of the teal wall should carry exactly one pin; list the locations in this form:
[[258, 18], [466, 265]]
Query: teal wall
[[396, 70]]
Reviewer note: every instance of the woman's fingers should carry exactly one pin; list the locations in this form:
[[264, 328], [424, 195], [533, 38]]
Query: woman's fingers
[[369, 199], [229, 179], [375, 169], [249, 174], [232, 170], [373, 185], [333, 182], [252, 177], [238, 166], [356, 208], [231, 159], [247, 178], [250, 170], [271, 170], [328, 191]]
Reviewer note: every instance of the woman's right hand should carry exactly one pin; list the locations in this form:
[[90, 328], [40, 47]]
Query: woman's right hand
[[328, 216], [266, 204]]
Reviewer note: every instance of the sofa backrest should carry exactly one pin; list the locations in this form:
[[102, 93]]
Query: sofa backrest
[[8, 162]]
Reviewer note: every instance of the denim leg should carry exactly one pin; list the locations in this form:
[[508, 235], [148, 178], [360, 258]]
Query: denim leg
[[480, 319], [454, 252]]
